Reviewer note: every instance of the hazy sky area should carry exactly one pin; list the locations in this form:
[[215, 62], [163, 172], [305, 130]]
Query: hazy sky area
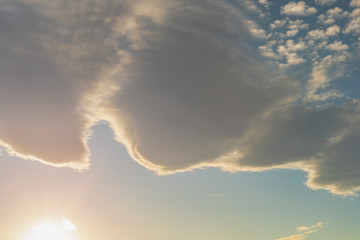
[[169, 119]]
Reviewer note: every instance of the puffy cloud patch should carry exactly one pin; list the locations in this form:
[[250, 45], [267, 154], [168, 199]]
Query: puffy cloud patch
[[332, 15], [278, 23], [355, 3], [337, 46], [290, 51], [354, 25], [323, 34], [295, 26], [297, 9], [324, 71]]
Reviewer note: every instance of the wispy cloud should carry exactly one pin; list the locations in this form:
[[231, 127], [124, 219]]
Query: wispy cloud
[[325, 2], [304, 231], [216, 194]]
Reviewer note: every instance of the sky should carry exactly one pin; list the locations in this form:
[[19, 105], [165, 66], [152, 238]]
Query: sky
[[165, 119]]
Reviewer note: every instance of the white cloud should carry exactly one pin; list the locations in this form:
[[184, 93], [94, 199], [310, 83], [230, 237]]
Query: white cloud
[[317, 34], [291, 46], [293, 58], [251, 6], [294, 27], [278, 23], [312, 227], [332, 15], [264, 2], [355, 3], [323, 34], [337, 46], [325, 2], [305, 232], [354, 25], [332, 31], [328, 69], [268, 51], [292, 32], [289, 50], [298, 9], [255, 30]]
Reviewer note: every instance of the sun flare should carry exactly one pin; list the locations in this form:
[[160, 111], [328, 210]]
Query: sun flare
[[53, 231]]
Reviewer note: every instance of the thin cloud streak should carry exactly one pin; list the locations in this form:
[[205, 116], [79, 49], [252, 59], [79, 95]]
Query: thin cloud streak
[[304, 232]]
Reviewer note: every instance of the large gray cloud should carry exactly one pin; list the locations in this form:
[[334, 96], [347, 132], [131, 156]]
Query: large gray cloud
[[192, 92], [179, 82], [51, 56]]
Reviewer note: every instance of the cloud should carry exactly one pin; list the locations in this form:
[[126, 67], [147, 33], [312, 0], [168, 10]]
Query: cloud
[[323, 34], [289, 51], [268, 51], [337, 46], [278, 23], [255, 30], [313, 227], [355, 3], [324, 71], [47, 78], [332, 15], [305, 231], [264, 2], [295, 26], [297, 9], [325, 2], [194, 117], [354, 25], [252, 7], [181, 85]]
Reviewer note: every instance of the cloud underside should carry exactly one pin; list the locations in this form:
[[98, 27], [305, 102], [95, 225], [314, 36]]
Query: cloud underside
[[177, 82]]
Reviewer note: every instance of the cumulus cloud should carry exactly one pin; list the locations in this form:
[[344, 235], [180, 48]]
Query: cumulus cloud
[[332, 15], [290, 51], [268, 51], [264, 3], [255, 30], [178, 82], [355, 3], [324, 72], [323, 34], [297, 9], [337, 46], [278, 23], [252, 7], [354, 25], [295, 26]]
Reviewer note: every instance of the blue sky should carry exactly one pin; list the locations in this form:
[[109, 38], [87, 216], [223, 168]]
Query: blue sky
[[181, 119]]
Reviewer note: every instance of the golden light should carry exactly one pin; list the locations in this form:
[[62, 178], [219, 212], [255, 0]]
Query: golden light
[[52, 231]]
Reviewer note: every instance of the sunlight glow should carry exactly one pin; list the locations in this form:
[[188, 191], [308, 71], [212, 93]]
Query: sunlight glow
[[52, 231]]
